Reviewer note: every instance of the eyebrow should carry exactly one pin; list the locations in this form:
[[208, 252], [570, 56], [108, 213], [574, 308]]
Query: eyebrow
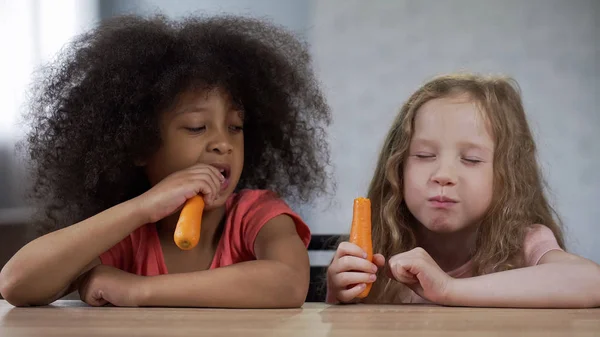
[[470, 145], [463, 144], [189, 109], [423, 141], [195, 108]]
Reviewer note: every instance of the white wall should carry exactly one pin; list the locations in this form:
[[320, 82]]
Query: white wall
[[291, 13], [31, 33], [372, 55]]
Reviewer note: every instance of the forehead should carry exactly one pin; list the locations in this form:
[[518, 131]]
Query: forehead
[[210, 100], [453, 118]]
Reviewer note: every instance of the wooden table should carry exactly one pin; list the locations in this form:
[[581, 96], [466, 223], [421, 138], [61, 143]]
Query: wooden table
[[74, 318]]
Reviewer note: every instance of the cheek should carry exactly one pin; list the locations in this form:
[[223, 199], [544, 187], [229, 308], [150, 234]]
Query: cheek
[[482, 189], [488, 181], [415, 174], [240, 147], [411, 188], [169, 159], [239, 152]]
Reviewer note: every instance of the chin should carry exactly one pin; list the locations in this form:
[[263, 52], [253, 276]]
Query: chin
[[442, 226], [223, 196]]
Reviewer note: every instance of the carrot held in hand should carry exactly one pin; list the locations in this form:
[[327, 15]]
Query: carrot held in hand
[[187, 232], [360, 233]]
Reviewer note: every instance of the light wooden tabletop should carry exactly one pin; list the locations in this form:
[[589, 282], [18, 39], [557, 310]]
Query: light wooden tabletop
[[74, 318]]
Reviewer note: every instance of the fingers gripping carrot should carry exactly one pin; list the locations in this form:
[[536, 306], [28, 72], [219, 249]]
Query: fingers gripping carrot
[[360, 232], [187, 232]]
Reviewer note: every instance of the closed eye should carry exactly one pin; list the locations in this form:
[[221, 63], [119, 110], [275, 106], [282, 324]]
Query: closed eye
[[196, 129], [472, 160], [236, 128], [424, 155]]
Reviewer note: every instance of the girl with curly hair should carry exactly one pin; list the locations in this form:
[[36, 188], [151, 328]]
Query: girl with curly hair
[[141, 114], [459, 211]]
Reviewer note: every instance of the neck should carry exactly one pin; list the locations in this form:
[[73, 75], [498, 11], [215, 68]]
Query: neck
[[449, 250], [211, 220]]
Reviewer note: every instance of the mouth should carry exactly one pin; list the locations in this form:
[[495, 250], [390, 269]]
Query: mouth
[[441, 198], [225, 169], [440, 201]]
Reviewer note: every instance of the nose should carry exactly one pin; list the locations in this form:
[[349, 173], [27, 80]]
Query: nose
[[445, 174], [220, 144]]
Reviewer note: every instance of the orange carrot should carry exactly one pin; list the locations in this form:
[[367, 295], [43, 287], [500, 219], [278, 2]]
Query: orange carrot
[[360, 233], [187, 232]]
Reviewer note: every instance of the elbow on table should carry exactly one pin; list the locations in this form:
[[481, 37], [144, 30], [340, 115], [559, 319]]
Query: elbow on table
[[595, 298], [589, 296], [9, 289], [294, 290], [294, 296]]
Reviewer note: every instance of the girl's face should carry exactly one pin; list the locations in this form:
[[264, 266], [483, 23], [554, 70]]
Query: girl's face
[[448, 175], [202, 127]]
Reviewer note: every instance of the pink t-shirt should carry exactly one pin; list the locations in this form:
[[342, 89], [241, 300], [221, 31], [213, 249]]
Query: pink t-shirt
[[246, 212], [538, 241]]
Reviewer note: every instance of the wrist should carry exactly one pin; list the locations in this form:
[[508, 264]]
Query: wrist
[[140, 292], [451, 289], [138, 212]]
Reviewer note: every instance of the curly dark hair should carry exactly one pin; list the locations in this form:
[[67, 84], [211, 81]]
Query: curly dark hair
[[96, 109]]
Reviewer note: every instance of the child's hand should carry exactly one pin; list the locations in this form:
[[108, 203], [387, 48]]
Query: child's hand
[[417, 270], [105, 284], [349, 272], [170, 194]]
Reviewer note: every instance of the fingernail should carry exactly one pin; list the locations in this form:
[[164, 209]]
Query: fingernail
[[374, 268], [364, 255], [372, 277], [362, 285]]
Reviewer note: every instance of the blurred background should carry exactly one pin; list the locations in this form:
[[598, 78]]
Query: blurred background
[[370, 56]]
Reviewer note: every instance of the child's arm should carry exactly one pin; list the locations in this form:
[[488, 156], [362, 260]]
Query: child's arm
[[277, 279], [44, 269], [560, 280], [49, 266]]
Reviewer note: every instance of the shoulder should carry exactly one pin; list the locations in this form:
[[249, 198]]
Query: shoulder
[[538, 240], [537, 233], [250, 210]]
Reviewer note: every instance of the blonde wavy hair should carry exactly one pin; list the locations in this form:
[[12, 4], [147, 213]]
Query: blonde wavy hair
[[518, 199]]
